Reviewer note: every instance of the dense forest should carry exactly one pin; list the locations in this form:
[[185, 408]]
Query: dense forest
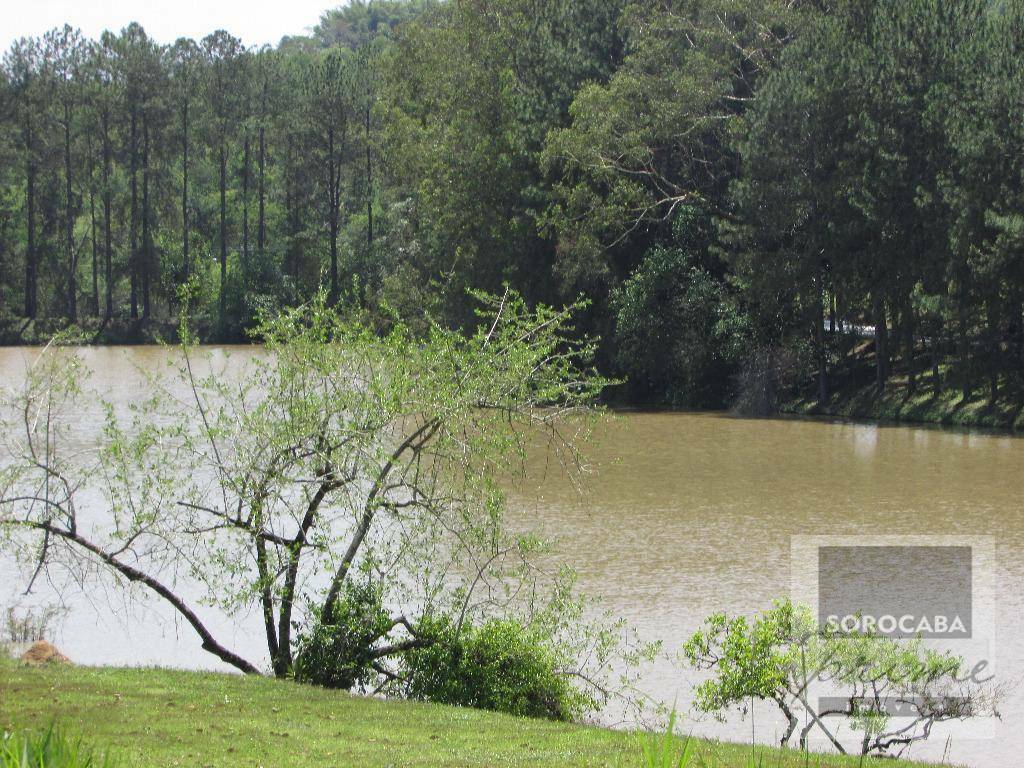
[[747, 192]]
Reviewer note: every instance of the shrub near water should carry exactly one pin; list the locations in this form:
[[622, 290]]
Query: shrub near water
[[499, 665], [341, 653]]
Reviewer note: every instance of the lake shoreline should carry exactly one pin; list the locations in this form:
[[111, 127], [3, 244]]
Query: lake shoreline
[[96, 332], [897, 406], [809, 410]]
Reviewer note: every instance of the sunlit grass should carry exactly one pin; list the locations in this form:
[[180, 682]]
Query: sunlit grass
[[154, 718]]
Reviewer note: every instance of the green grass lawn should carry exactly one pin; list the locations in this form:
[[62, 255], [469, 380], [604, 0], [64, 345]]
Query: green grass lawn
[[155, 718]]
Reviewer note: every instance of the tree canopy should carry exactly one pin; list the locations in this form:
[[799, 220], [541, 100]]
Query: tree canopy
[[841, 180]]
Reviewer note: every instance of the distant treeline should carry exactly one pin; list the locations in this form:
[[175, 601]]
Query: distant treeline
[[742, 188]]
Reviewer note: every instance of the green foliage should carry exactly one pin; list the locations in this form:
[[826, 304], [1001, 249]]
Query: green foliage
[[339, 653], [655, 136], [499, 665], [468, 101], [856, 161], [781, 653], [360, 22], [861, 187], [679, 331], [50, 749], [756, 658], [366, 474]]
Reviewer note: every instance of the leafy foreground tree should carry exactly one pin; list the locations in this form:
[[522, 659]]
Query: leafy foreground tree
[[347, 486], [814, 673]]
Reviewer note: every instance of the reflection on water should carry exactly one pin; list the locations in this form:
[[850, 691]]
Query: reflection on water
[[865, 440], [692, 513]]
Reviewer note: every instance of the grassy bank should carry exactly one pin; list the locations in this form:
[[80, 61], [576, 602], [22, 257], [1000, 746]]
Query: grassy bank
[[924, 406], [152, 718]]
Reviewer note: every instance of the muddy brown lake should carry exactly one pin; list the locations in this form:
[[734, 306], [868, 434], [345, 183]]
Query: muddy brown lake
[[684, 514]]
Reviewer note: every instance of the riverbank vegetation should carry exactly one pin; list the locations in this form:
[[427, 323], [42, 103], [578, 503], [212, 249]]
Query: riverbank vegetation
[[895, 404], [761, 194], [826, 679], [349, 489], [152, 718]]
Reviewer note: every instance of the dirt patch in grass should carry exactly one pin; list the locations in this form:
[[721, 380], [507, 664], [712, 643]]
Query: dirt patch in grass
[[42, 652]]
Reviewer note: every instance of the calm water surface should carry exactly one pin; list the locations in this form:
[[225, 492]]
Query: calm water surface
[[685, 515]]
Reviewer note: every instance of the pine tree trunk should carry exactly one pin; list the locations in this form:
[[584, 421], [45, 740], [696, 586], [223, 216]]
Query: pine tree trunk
[[369, 180], [333, 213], [31, 257], [245, 207], [223, 240], [133, 257], [95, 255], [69, 220], [819, 338], [908, 346], [261, 229], [108, 252], [147, 239], [881, 345], [964, 343], [994, 354], [185, 265]]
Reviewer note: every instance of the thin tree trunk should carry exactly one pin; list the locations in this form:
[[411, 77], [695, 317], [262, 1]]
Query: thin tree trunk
[[881, 345], [935, 352], [819, 336], [369, 179], [31, 257], [134, 575], [223, 239], [333, 213], [267, 598], [294, 222], [185, 265], [298, 544], [107, 234], [261, 229], [245, 206], [147, 240], [908, 340], [95, 256], [994, 354], [277, 663], [290, 255], [963, 341], [295, 253], [69, 220], [1018, 314], [414, 442], [133, 256]]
